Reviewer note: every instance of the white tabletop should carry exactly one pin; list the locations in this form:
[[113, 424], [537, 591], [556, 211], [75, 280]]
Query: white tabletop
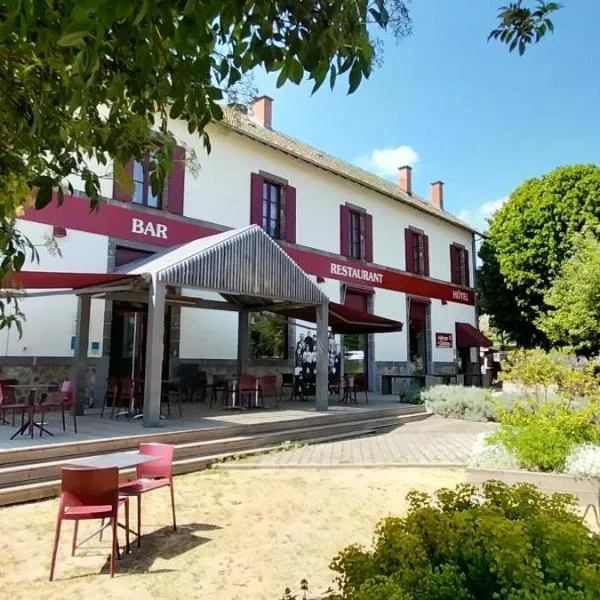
[[122, 460], [32, 386]]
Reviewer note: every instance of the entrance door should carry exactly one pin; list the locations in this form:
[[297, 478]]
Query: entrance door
[[417, 338], [356, 349]]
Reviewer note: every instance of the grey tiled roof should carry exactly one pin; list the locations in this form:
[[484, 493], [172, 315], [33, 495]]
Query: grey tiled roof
[[241, 123]]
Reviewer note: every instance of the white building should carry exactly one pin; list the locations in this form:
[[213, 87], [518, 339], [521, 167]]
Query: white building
[[369, 243]]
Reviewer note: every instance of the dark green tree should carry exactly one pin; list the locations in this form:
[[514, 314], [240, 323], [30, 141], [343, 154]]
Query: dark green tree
[[528, 241]]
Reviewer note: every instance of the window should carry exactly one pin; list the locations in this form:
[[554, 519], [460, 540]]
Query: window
[[273, 206], [268, 336], [356, 235], [272, 209], [459, 265], [417, 252], [142, 189]]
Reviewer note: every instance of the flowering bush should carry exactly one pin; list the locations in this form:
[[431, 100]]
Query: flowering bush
[[503, 542], [459, 402], [491, 455], [584, 461]]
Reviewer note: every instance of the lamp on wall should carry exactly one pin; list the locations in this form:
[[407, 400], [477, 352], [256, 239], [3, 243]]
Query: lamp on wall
[[320, 279], [59, 232]]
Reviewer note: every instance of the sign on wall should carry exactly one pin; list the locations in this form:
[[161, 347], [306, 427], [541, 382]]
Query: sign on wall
[[443, 340]]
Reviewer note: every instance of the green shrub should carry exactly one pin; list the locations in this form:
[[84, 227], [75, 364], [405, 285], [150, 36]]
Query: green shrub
[[543, 436], [459, 402], [505, 543], [412, 395]]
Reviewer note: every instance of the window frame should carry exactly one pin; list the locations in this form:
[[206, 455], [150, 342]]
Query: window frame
[[461, 267], [418, 246], [356, 247], [269, 184], [147, 188]]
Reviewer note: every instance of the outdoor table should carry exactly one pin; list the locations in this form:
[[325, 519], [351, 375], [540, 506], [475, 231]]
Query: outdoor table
[[121, 460], [32, 400]]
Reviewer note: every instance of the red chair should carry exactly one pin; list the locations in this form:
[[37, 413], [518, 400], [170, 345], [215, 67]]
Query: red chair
[[8, 403], [246, 386], [112, 393], [88, 494], [124, 400], [267, 386], [151, 475], [64, 403]]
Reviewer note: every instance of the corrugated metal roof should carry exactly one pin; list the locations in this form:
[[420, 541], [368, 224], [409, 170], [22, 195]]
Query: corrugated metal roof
[[240, 262], [238, 121]]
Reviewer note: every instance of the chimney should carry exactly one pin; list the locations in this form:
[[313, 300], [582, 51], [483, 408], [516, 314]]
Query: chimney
[[405, 179], [437, 194], [262, 109]]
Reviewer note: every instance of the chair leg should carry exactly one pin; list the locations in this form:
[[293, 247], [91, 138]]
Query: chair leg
[[55, 549], [173, 506], [101, 529], [63, 420], [74, 544], [74, 420], [139, 520], [115, 547], [127, 543]]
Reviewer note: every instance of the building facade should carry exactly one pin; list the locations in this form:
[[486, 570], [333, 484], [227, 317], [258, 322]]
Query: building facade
[[369, 243]]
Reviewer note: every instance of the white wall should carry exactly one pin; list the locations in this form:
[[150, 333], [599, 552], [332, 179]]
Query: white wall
[[391, 346], [50, 321], [443, 319]]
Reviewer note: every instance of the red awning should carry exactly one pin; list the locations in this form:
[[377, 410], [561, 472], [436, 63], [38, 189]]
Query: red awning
[[346, 320], [468, 336], [40, 280]]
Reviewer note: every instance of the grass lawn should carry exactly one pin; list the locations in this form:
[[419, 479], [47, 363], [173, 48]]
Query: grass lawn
[[243, 534]]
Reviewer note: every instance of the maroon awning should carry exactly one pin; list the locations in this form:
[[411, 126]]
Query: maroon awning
[[40, 280], [468, 336], [346, 320]]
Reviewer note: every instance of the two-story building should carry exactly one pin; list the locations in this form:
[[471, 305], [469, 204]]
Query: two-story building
[[369, 243]]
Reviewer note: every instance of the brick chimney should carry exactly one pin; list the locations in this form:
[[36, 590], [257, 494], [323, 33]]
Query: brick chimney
[[437, 194], [261, 110], [405, 179]]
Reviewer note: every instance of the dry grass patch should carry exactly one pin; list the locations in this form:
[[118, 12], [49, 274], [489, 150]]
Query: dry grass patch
[[244, 534]]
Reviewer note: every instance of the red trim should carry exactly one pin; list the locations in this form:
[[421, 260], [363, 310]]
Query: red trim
[[40, 280], [409, 249], [368, 225], [176, 185], [344, 230], [129, 222], [468, 336], [426, 255], [256, 199]]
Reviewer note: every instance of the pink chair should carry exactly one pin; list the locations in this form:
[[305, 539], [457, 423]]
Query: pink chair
[[88, 494], [246, 386], [65, 403], [151, 475], [267, 386]]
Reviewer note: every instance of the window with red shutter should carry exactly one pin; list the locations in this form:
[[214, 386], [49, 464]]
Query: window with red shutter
[[409, 250], [344, 230], [459, 265], [273, 207], [290, 214], [417, 252], [256, 199], [425, 255], [368, 222], [467, 270], [453, 264]]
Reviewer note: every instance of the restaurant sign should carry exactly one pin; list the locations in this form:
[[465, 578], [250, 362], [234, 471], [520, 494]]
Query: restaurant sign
[[358, 274], [443, 340]]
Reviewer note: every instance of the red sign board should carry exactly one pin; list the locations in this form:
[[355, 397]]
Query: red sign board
[[162, 229], [443, 340]]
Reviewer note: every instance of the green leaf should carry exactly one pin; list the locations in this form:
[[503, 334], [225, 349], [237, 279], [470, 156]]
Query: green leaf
[[43, 197], [60, 196], [355, 77], [73, 39], [124, 178]]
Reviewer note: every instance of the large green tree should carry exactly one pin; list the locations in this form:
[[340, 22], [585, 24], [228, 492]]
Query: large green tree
[[573, 317], [88, 82], [528, 240]]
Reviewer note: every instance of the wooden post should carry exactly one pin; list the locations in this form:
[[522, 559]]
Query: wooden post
[[154, 352], [322, 356], [82, 338]]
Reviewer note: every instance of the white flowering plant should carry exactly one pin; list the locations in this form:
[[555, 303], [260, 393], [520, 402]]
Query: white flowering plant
[[491, 455], [584, 461]]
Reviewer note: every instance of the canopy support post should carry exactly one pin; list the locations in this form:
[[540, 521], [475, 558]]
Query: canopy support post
[[154, 352], [82, 338], [322, 357], [243, 342]]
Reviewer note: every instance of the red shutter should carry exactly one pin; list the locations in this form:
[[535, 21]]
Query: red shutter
[[467, 269], [426, 255], [368, 225], [453, 264], [409, 250], [256, 199], [176, 183], [290, 214], [344, 230], [118, 192]]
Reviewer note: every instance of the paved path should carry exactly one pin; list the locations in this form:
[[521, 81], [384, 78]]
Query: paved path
[[434, 441]]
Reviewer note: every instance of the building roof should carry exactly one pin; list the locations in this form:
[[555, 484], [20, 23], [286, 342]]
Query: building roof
[[244, 262], [238, 121]]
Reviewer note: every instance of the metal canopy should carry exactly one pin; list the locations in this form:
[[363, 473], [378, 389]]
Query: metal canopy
[[246, 263]]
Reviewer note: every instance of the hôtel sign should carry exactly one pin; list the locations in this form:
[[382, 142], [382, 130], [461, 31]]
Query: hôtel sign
[[125, 222]]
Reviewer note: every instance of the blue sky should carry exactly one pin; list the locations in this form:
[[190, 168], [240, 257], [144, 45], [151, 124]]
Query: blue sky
[[459, 108]]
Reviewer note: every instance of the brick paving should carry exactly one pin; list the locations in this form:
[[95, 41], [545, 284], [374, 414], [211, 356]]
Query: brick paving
[[434, 441]]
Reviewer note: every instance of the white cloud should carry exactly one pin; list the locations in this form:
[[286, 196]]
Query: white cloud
[[478, 217], [385, 161]]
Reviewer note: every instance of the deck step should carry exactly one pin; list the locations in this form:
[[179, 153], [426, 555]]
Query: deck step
[[38, 479]]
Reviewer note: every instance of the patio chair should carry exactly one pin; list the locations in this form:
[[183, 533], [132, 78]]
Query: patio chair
[[151, 475], [111, 395], [88, 494], [287, 383], [220, 384], [246, 387], [170, 391], [124, 399], [8, 401], [65, 403], [267, 386], [349, 390]]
